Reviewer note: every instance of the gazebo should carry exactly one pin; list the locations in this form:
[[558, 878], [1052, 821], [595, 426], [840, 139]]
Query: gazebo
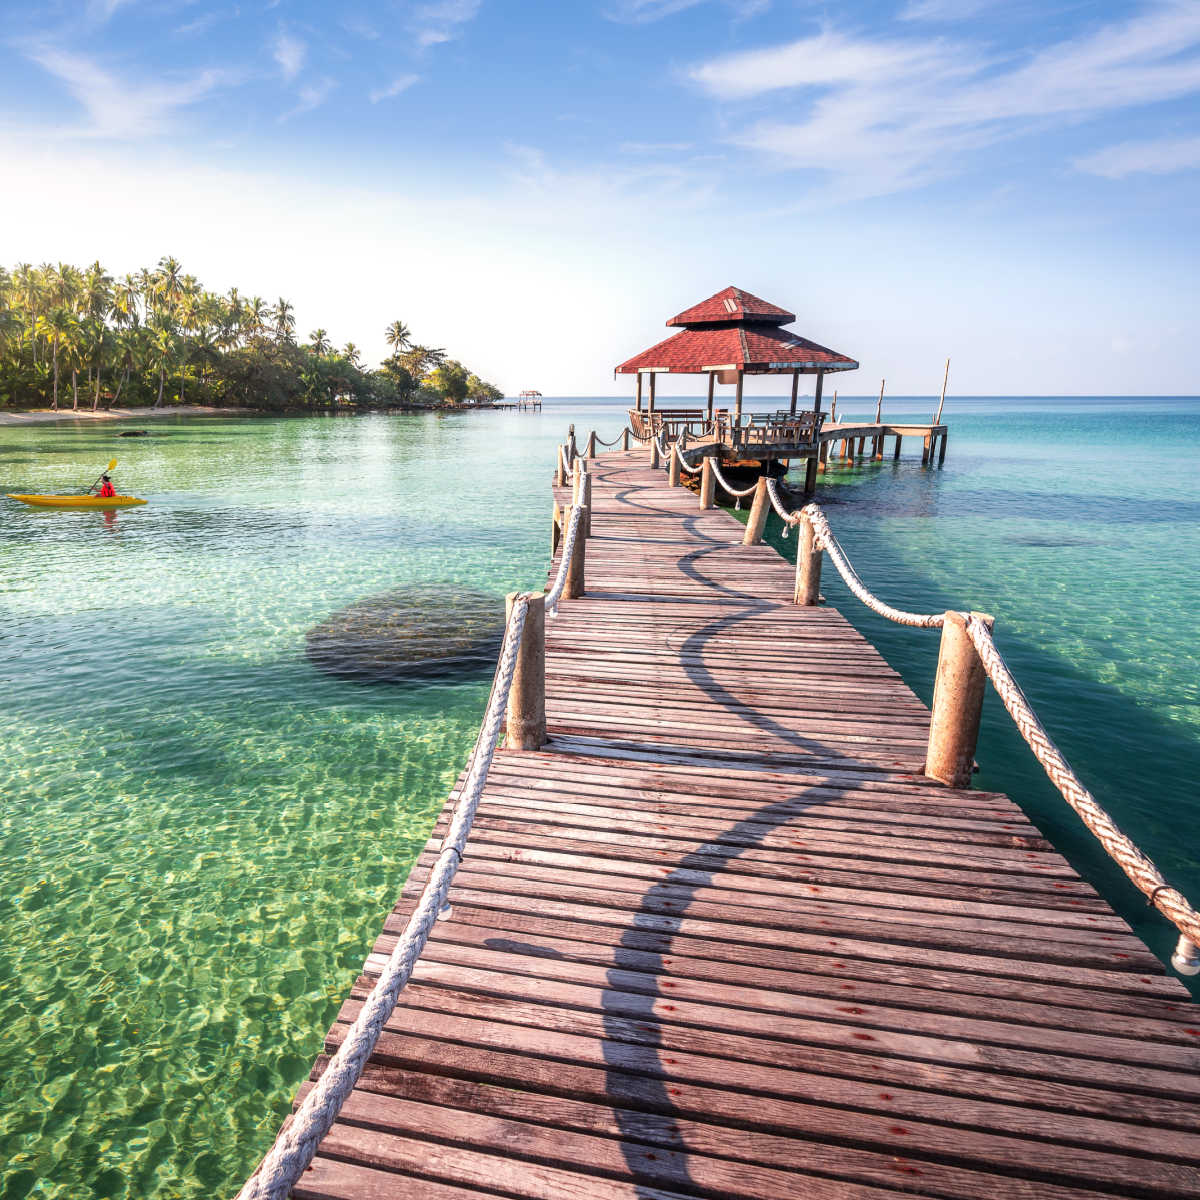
[[730, 335]]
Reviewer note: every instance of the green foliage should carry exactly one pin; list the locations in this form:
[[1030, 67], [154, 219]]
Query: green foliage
[[156, 337]]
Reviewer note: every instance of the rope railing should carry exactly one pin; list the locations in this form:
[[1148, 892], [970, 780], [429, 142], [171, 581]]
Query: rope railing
[[1138, 868], [683, 464], [554, 595], [726, 484], [297, 1142]]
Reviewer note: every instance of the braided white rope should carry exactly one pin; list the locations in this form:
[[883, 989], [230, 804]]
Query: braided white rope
[[683, 463], [826, 540], [725, 483], [1141, 871], [295, 1146], [554, 595], [662, 449], [788, 518]]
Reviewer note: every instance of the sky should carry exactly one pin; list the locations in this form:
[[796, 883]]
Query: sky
[[539, 186]]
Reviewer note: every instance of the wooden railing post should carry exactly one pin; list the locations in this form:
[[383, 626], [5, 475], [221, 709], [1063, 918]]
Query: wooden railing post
[[808, 566], [555, 528], [673, 469], [654, 459], [585, 498], [758, 514], [625, 439], [957, 704], [560, 471], [571, 442], [591, 445], [526, 717], [574, 586], [708, 483]]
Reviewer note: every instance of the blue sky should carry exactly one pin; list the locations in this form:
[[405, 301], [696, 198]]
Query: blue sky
[[539, 186]]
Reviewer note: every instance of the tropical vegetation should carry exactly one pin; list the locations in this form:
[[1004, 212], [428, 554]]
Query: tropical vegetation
[[81, 336]]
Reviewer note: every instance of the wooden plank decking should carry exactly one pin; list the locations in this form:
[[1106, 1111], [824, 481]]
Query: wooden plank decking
[[721, 939]]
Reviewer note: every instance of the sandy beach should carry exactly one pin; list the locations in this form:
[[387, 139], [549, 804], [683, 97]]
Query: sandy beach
[[35, 416]]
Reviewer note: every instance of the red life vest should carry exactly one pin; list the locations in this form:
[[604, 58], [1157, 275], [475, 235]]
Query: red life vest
[[107, 489]]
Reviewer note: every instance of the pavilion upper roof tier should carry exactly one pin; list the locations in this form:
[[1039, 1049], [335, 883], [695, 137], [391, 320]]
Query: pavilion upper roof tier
[[736, 331], [733, 304]]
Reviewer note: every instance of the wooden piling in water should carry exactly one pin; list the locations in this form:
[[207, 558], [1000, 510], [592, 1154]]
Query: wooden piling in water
[[708, 483], [525, 721], [576, 581], [808, 566], [957, 704], [757, 520]]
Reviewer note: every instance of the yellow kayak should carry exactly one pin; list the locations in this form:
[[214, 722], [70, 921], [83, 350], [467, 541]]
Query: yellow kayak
[[78, 501]]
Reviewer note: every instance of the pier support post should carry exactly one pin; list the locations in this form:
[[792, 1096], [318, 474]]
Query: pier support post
[[591, 445], [808, 566], [708, 483], [896, 456], [957, 704], [925, 447], [526, 717], [673, 469], [810, 473], [823, 460], [879, 448], [942, 451], [575, 583], [758, 514]]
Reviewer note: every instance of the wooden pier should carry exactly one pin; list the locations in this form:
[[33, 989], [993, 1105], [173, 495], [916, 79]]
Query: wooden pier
[[721, 938]]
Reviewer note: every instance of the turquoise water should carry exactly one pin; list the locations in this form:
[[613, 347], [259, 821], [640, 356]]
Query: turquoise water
[[200, 830]]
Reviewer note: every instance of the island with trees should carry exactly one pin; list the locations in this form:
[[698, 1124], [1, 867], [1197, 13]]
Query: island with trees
[[72, 337]]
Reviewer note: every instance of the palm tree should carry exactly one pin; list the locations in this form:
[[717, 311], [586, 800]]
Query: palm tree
[[285, 322], [56, 327], [399, 337], [254, 318], [320, 342], [351, 354], [160, 347]]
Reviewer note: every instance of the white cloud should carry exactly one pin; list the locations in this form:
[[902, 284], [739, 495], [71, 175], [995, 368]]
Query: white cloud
[[400, 84], [119, 107], [881, 115], [311, 96], [643, 12], [944, 10], [655, 147], [443, 20], [289, 52], [1161, 156]]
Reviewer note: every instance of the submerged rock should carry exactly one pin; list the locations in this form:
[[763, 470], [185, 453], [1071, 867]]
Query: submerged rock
[[413, 632]]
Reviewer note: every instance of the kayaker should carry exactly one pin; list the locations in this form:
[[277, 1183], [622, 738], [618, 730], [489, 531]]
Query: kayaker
[[106, 487]]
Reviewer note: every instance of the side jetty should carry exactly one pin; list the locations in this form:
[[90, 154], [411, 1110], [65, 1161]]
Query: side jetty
[[724, 918]]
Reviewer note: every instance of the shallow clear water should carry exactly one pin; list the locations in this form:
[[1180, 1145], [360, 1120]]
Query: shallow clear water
[[199, 831]]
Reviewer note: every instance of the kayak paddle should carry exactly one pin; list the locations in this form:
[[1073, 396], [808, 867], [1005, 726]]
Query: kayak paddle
[[112, 466]]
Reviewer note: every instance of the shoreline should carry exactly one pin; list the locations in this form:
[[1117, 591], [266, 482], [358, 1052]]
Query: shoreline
[[38, 416]]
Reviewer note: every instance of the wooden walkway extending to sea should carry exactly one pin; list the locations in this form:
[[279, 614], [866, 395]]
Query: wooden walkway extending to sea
[[721, 938]]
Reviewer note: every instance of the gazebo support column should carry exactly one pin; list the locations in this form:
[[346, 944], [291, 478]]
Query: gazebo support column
[[639, 391], [810, 468], [650, 405], [795, 389], [737, 408], [712, 379]]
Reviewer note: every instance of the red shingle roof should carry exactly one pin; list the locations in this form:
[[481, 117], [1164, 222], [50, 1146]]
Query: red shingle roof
[[733, 304], [734, 330], [760, 350]]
